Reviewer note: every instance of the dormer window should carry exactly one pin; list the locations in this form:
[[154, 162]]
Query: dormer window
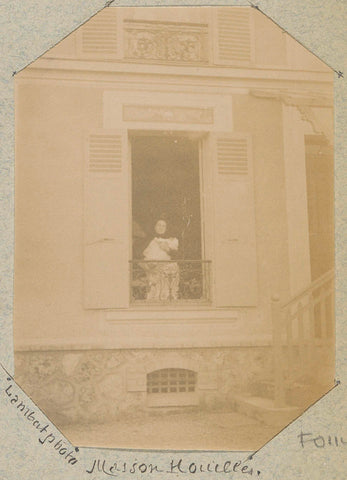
[[119, 35]]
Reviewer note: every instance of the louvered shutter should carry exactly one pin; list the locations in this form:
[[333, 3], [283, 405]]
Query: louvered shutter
[[233, 36], [100, 37], [106, 236], [235, 249]]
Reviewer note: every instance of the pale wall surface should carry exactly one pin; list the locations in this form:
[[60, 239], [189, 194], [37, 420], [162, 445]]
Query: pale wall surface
[[49, 186], [49, 206], [30, 29]]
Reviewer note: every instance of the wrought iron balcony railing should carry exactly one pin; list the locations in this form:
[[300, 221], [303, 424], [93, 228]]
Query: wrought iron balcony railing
[[170, 281]]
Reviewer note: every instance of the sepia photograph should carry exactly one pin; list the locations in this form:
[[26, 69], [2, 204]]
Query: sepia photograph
[[174, 229]]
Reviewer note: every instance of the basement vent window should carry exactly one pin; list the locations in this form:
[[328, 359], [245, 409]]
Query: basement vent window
[[171, 380]]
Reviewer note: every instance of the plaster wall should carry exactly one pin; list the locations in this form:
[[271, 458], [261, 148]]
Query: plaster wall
[[49, 209]]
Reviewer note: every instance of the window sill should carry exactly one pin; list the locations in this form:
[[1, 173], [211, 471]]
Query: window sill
[[163, 313], [172, 400]]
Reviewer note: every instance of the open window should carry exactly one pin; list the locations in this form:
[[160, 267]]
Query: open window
[[205, 207], [167, 264]]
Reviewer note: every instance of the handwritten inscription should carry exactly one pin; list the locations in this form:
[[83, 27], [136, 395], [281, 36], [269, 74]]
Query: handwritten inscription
[[320, 441], [45, 436], [175, 467]]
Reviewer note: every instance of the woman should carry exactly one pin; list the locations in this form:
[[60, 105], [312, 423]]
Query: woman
[[162, 275]]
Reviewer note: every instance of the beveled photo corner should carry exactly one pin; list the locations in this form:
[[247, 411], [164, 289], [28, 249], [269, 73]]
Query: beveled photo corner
[[174, 235]]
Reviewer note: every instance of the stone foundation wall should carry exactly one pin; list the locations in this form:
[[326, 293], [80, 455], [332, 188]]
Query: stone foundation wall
[[99, 385]]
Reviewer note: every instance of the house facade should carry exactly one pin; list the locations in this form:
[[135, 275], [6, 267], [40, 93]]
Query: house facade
[[217, 122]]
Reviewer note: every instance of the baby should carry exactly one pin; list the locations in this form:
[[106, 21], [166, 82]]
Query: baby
[[159, 248]]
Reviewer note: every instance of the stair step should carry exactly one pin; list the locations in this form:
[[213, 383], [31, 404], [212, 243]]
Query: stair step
[[303, 395], [299, 394], [264, 410]]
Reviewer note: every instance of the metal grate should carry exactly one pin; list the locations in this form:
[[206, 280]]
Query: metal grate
[[171, 380], [232, 154], [234, 35], [165, 281], [99, 34], [105, 153]]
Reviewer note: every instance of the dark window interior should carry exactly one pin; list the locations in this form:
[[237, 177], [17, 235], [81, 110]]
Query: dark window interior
[[166, 184], [320, 199]]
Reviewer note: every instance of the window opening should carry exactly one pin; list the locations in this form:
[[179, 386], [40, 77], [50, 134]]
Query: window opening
[[167, 264], [171, 380]]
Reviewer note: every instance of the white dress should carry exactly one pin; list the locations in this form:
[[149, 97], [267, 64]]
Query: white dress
[[162, 277]]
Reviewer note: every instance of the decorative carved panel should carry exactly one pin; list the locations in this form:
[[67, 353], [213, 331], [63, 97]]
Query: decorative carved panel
[[144, 113], [166, 42]]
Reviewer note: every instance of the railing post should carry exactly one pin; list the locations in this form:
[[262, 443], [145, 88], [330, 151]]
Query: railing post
[[289, 352], [323, 315], [301, 339], [276, 315], [312, 360]]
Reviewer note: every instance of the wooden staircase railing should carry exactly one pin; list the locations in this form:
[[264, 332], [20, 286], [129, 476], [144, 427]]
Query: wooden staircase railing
[[299, 327]]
